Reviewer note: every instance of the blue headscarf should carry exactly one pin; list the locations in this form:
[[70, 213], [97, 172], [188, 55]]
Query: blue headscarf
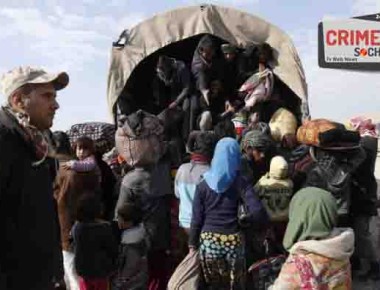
[[225, 165]]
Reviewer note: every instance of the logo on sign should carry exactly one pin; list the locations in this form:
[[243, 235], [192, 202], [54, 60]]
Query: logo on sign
[[351, 44]]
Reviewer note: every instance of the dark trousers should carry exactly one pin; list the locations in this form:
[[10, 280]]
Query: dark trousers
[[158, 270]]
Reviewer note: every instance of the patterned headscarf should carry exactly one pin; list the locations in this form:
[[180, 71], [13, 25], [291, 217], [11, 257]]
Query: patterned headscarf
[[256, 139], [37, 138]]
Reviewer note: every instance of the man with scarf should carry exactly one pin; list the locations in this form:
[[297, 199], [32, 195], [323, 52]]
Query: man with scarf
[[172, 89], [231, 69], [30, 252], [257, 152]]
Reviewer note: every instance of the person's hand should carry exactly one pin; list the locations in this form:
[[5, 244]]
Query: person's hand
[[229, 107], [192, 250], [206, 97], [173, 105], [59, 285], [67, 165]]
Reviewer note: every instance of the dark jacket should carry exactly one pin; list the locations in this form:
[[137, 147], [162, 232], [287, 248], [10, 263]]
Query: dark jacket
[[30, 252], [177, 90], [107, 185], [231, 77], [252, 171], [333, 172], [95, 249], [218, 212], [69, 187], [132, 266], [204, 72], [143, 187], [364, 185]]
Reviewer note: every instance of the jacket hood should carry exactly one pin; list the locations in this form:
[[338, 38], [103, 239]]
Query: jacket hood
[[313, 215], [206, 42], [278, 168], [338, 246]]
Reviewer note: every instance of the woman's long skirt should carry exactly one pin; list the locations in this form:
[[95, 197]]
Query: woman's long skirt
[[222, 260]]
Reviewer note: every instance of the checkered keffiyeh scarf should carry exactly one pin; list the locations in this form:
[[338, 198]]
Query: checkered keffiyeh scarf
[[32, 135]]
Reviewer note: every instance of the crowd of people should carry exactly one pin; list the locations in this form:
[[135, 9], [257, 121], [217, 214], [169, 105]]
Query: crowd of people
[[250, 186]]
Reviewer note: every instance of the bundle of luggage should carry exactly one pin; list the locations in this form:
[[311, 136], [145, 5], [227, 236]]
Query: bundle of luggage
[[103, 134]]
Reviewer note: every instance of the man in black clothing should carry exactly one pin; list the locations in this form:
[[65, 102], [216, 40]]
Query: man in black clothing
[[231, 80], [172, 94], [363, 208], [30, 251], [206, 67], [172, 84]]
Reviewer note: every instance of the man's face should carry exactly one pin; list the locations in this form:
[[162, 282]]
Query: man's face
[[215, 88], [42, 105], [230, 57], [253, 119], [207, 53], [256, 155]]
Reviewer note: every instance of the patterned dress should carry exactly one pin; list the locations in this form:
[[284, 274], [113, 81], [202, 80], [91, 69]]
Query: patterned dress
[[222, 260]]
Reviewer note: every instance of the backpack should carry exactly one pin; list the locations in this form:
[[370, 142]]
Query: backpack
[[140, 139], [258, 88]]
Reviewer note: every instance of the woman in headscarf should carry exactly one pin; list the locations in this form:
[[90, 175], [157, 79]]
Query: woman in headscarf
[[319, 253], [214, 227]]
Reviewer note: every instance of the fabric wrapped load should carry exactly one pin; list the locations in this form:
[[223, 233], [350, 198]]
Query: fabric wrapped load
[[187, 274], [282, 123], [258, 88], [140, 139], [328, 135], [103, 134], [364, 126], [308, 133]]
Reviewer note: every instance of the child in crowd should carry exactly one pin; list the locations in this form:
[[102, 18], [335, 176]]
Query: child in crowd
[[275, 190], [132, 272], [85, 152], [95, 246], [201, 146]]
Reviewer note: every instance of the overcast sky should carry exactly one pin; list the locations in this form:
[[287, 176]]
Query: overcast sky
[[76, 36]]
